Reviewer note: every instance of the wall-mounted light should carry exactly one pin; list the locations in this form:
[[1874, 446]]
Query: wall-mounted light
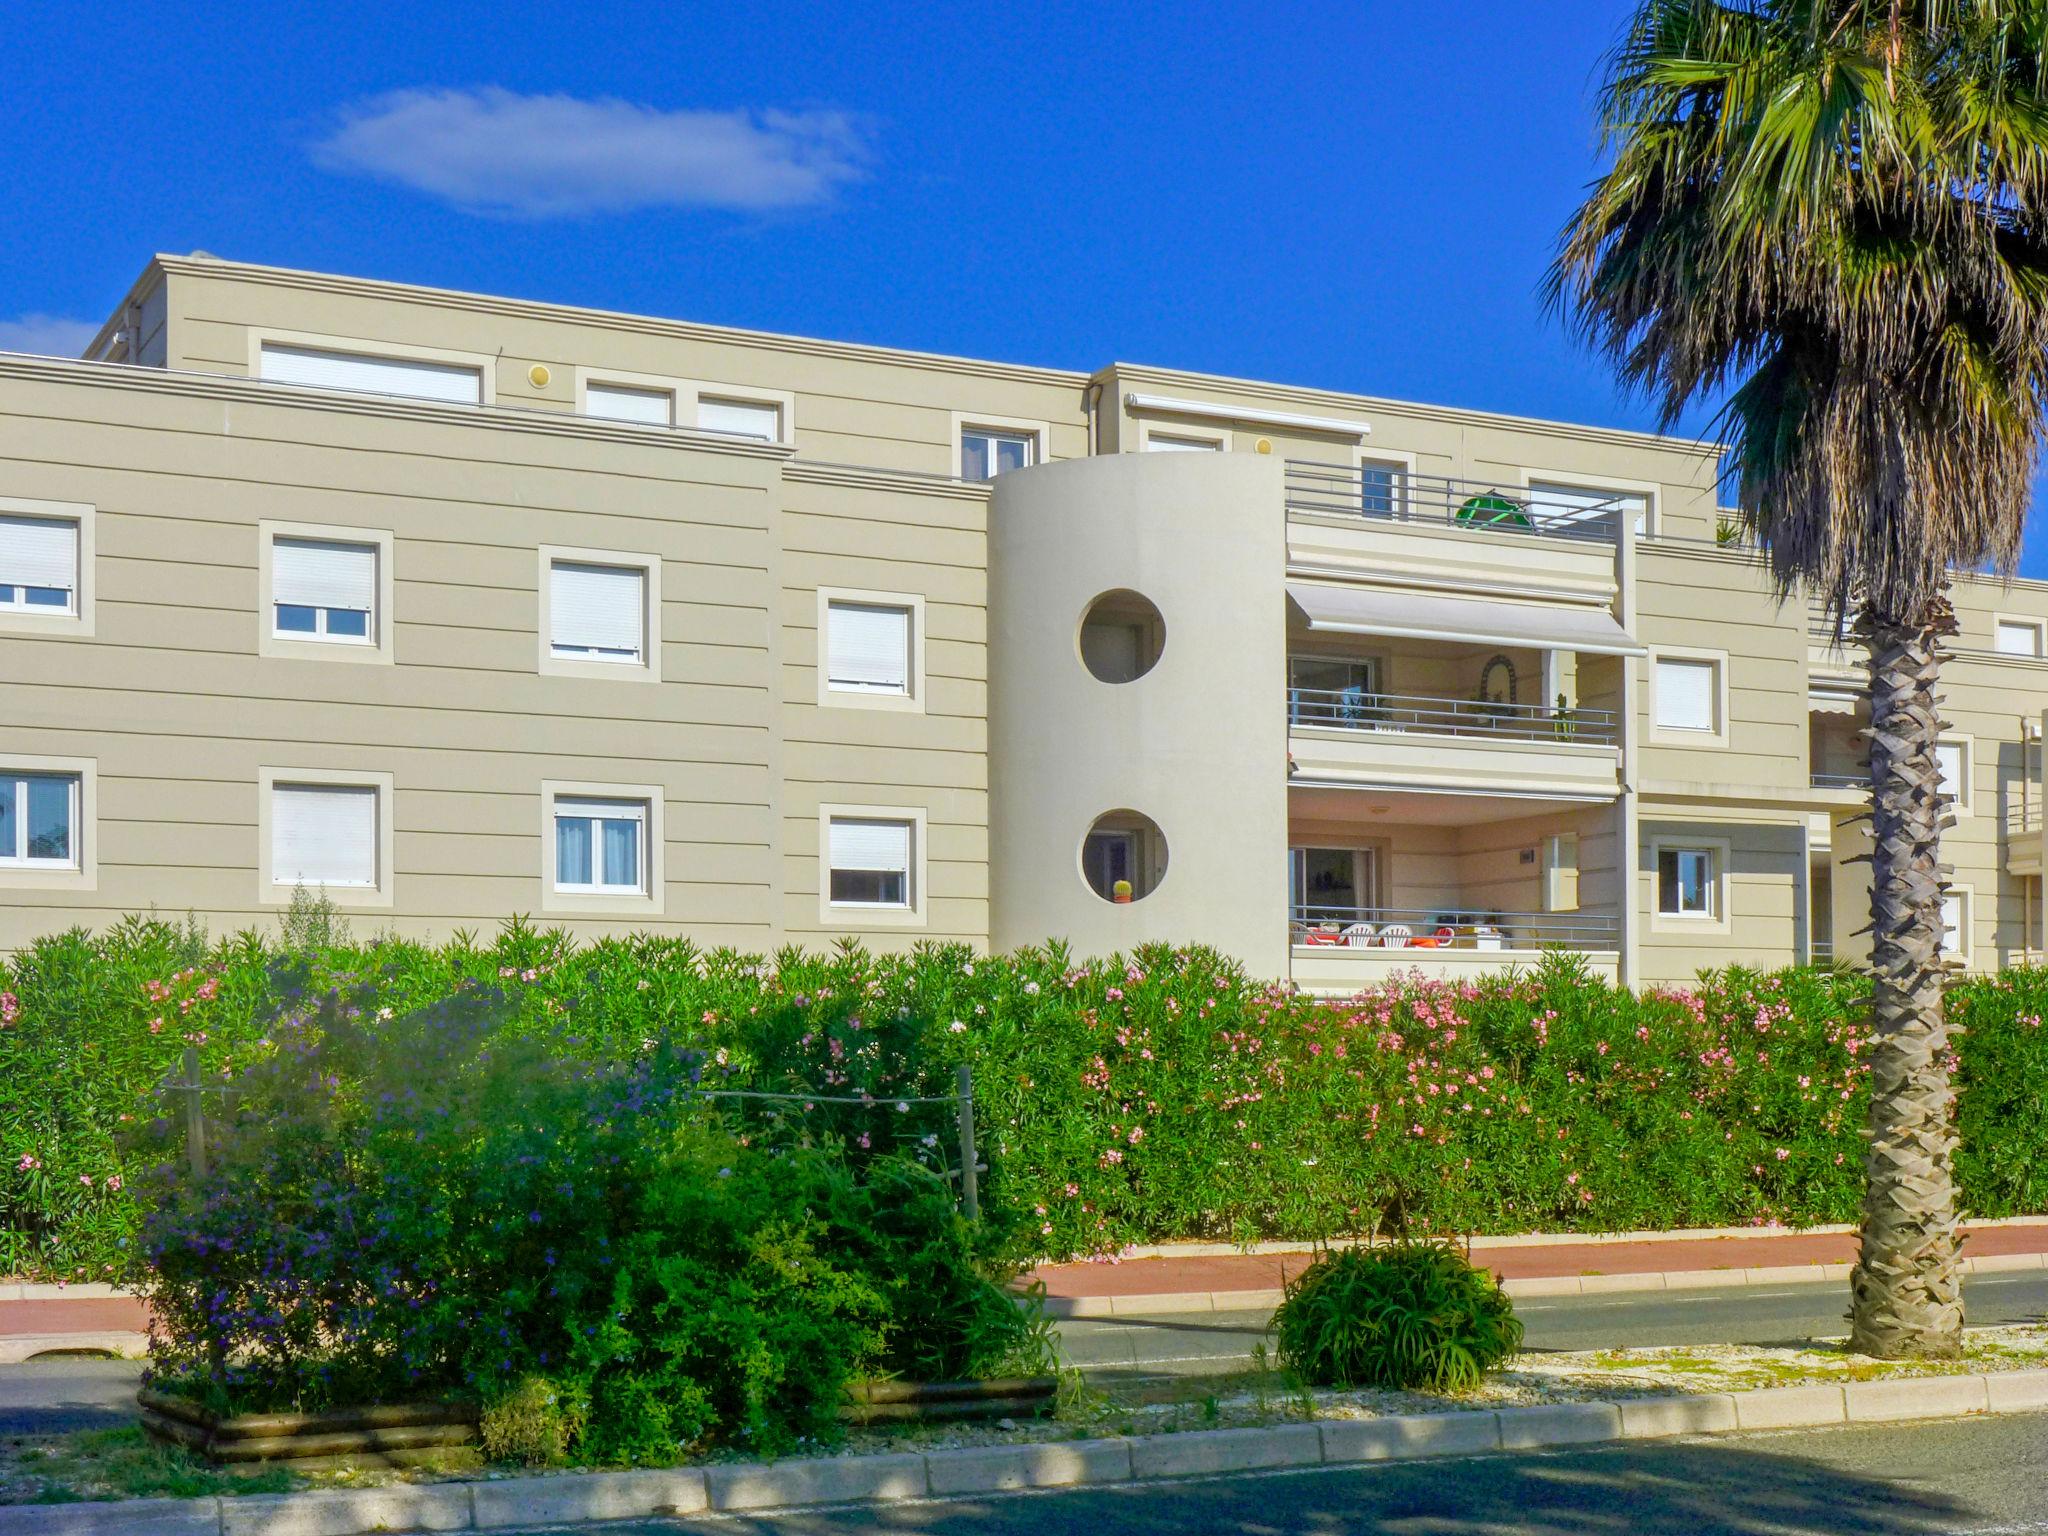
[[538, 376], [1264, 445]]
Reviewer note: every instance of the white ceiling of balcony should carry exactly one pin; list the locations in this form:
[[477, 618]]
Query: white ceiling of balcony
[[1434, 616]]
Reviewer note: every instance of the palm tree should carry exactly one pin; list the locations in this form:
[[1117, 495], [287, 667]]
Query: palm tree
[[1827, 215]]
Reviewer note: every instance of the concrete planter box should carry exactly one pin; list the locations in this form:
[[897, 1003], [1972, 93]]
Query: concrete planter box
[[391, 1435]]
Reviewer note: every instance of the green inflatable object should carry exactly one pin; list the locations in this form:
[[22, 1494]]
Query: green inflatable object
[[1493, 512]]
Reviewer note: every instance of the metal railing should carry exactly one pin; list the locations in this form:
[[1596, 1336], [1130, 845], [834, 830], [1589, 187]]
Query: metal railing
[[1348, 709], [1840, 780], [1426, 928], [1351, 490]]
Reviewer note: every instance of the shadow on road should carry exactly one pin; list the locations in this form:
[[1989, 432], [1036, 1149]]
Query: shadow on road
[[55, 1396]]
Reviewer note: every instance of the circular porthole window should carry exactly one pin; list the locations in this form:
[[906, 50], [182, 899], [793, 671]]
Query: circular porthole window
[[1123, 857], [1122, 636]]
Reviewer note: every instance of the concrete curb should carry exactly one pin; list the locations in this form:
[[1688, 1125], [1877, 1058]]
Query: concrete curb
[[1164, 1302], [122, 1343], [575, 1498]]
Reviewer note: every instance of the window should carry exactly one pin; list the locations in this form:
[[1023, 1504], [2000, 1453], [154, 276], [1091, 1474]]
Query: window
[[1686, 882], [1332, 690], [1955, 924], [323, 835], [1380, 483], [867, 648], [601, 846], [620, 402], [39, 565], [1686, 695], [740, 418], [39, 816], [2017, 637], [870, 862], [1567, 508], [985, 453], [414, 378], [1332, 884], [322, 590], [597, 613], [1952, 757], [1163, 442]]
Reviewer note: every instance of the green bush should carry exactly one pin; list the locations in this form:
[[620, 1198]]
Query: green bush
[[1150, 1097], [435, 1204], [1410, 1314]]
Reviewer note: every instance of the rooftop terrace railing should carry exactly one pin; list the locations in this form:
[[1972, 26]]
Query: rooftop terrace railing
[[1315, 925], [1351, 490], [1347, 709]]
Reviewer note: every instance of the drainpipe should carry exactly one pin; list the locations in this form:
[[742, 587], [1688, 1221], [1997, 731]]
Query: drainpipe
[[1091, 403]]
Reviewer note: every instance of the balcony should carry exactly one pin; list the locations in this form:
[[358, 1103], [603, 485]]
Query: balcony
[[1471, 506], [1346, 736], [1340, 949]]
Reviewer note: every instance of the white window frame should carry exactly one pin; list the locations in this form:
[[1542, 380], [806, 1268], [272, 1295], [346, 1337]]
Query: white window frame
[[596, 812], [689, 394], [830, 697], [2000, 621], [79, 619], [1403, 465], [484, 363], [1966, 917], [1574, 480], [271, 894], [379, 650], [78, 872], [963, 422], [1217, 438], [1680, 736], [600, 901], [1964, 804], [648, 668], [1720, 854], [857, 915]]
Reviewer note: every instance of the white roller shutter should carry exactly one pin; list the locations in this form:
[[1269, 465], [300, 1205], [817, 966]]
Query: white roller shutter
[[871, 845], [615, 402], [315, 573], [597, 607], [1685, 695], [418, 380], [741, 418], [323, 834], [868, 647], [2018, 639], [1551, 505], [38, 552]]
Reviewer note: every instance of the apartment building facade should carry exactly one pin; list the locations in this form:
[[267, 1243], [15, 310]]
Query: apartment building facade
[[457, 607]]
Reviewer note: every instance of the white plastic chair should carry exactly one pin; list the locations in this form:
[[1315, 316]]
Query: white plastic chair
[[1361, 935], [1396, 935]]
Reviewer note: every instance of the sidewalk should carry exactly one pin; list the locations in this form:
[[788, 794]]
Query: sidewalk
[[1201, 1279]]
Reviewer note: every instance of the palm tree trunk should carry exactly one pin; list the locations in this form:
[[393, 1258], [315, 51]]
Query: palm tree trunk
[[1906, 1297]]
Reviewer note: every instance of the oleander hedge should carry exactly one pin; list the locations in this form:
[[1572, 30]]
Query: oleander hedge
[[1156, 1096]]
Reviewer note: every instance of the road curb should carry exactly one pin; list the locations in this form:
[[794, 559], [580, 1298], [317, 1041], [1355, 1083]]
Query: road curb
[[1162, 1303], [576, 1498], [122, 1343]]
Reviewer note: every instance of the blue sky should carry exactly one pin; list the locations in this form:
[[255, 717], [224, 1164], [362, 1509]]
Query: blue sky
[[1359, 196]]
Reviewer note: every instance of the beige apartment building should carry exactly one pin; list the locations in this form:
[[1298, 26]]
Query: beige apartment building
[[458, 607]]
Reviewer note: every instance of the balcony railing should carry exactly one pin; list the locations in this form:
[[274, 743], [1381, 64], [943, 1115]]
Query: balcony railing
[[1439, 928], [1350, 490], [1841, 780], [1346, 709]]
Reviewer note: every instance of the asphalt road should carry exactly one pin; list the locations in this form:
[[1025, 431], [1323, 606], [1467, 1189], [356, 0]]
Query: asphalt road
[[1964, 1477], [1202, 1343]]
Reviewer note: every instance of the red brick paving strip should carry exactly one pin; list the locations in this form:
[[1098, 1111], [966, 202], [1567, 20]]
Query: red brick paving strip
[[73, 1314], [1268, 1271]]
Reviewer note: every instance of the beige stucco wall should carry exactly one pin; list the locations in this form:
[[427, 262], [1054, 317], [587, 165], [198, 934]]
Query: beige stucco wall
[[1198, 744]]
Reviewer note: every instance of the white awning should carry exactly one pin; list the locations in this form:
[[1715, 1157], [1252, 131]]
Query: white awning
[[1833, 701], [1420, 616]]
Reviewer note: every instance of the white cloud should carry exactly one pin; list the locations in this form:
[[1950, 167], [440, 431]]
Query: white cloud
[[493, 151], [50, 335]]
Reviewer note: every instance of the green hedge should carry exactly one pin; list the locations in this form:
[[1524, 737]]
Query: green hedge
[[1162, 1095]]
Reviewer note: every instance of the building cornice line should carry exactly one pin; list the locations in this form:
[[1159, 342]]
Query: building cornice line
[[232, 387], [616, 320], [1453, 585], [906, 482]]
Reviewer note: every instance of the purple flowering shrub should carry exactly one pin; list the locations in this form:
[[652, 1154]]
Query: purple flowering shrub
[[433, 1204]]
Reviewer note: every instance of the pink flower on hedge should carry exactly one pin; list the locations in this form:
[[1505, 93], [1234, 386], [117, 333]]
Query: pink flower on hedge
[[114, 1183], [28, 1162], [10, 1008], [85, 1179], [1783, 1153]]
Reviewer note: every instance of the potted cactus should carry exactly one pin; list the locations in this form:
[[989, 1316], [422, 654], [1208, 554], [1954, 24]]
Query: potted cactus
[[1121, 892]]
